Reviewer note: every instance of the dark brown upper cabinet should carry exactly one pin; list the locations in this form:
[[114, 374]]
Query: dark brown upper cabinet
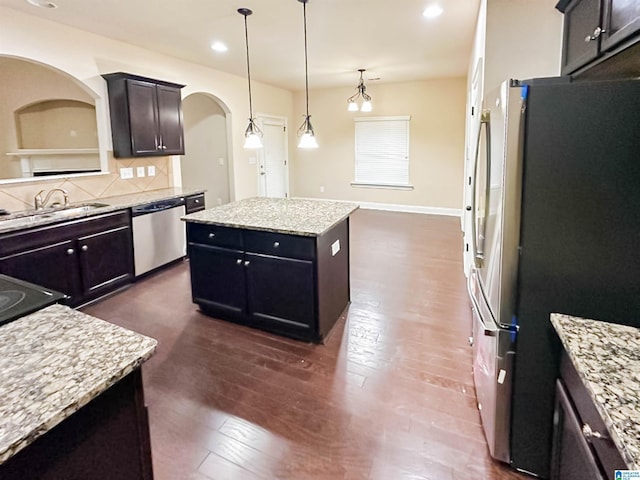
[[146, 116], [604, 34]]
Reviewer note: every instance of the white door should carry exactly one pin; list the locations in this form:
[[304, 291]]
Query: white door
[[273, 170]]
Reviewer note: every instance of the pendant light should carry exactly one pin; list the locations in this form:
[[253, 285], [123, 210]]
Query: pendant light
[[253, 134], [307, 136], [361, 93]]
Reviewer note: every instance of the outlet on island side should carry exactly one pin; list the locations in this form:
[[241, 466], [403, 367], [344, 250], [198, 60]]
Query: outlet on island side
[[140, 171], [126, 173], [151, 171]]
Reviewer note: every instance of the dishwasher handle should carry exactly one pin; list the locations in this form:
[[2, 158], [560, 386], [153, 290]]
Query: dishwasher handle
[[155, 207]]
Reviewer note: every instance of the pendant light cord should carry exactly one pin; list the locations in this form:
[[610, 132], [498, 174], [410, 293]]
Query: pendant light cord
[[246, 39], [306, 68]]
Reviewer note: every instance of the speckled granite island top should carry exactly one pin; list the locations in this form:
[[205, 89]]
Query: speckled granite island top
[[55, 361], [284, 215], [607, 358]]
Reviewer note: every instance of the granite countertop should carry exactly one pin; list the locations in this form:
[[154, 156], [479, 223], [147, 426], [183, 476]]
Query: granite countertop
[[23, 220], [55, 361], [283, 215], [607, 358]]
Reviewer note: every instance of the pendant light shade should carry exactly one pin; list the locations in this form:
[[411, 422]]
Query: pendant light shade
[[352, 101], [306, 133], [253, 134]]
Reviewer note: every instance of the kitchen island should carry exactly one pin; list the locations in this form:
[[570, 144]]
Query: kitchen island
[[597, 420], [71, 399], [277, 264]]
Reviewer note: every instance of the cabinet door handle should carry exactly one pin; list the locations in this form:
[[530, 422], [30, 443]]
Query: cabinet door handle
[[197, 200], [246, 263], [589, 434], [211, 235], [596, 34], [84, 248], [276, 244], [238, 261], [70, 251]]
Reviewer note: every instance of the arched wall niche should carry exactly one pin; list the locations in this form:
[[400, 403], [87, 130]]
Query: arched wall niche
[[36, 100]]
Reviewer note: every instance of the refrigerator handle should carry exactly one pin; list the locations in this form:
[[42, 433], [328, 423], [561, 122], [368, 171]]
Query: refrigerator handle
[[478, 252], [486, 330]]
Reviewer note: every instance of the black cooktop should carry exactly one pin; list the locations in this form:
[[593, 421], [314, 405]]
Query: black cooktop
[[19, 298]]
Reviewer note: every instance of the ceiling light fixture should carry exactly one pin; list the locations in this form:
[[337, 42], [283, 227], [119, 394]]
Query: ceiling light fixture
[[361, 93], [432, 11], [307, 136], [219, 47], [253, 134]]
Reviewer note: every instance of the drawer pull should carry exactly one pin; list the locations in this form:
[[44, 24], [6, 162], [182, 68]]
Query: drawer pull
[[84, 248], [276, 244], [212, 235], [589, 434], [238, 261], [197, 200], [246, 263], [70, 251]]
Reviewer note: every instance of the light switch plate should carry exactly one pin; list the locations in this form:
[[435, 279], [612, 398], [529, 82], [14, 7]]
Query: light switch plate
[[126, 173], [221, 160], [140, 171], [151, 171]]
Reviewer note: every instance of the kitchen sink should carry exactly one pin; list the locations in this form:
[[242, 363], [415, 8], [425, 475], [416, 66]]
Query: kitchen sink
[[28, 217]]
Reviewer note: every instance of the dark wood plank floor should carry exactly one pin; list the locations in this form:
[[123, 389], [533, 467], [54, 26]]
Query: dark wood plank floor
[[389, 396]]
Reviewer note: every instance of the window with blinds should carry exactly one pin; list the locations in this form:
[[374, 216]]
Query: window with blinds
[[382, 151]]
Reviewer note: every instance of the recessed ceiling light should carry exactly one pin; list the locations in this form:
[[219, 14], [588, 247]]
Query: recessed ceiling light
[[219, 47], [42, 4], [432, 11]]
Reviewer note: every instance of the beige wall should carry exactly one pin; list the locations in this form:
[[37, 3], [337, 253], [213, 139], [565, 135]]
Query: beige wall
[[86, 56], [437, 109]]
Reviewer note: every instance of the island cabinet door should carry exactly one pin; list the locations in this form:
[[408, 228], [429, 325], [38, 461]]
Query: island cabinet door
[[218, 280], [280, 294]]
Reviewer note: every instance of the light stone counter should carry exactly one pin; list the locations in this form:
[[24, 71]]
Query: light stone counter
[[55, 361], [283, 215], [607, 359], [28, 219]]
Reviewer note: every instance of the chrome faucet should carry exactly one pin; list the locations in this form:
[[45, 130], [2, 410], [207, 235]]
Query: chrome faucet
[[40, 204]]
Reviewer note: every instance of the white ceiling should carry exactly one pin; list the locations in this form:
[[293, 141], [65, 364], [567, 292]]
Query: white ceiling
[[390, 38]]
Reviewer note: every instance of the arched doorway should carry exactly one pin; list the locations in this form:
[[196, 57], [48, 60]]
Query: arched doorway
[[205, 164]]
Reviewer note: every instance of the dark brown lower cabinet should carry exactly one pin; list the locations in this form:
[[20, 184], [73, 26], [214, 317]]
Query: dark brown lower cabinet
[[83, 258], [293, 285], [581, 444], [572, 456], [106, 439]]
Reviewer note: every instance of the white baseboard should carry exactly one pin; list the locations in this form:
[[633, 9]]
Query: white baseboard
[[395, 207], [392, 207]]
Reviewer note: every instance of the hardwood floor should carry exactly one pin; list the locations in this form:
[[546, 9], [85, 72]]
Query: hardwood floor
[[389, 396]]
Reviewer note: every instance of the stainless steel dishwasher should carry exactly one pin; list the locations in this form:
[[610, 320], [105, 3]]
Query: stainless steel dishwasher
[[158, 234]]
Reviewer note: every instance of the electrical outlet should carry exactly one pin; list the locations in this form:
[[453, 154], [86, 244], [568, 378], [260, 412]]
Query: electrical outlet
[[126, 173], [322, 189], [140, 171], [221, 161], [151, 171]]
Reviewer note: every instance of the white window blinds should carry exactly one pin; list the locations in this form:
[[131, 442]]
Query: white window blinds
[[382, 151]]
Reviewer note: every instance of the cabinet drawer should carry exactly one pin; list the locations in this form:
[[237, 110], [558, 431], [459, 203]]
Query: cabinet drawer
[[214, 235], [194, 203], [588, 415], [280, 244]]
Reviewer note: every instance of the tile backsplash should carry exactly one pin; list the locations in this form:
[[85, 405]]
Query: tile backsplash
[[19, 196]]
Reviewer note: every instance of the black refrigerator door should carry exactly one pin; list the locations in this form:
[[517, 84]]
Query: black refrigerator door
[[579, 237]]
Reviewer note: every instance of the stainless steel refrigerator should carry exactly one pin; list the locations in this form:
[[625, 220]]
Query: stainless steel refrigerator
[[556, 228]]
